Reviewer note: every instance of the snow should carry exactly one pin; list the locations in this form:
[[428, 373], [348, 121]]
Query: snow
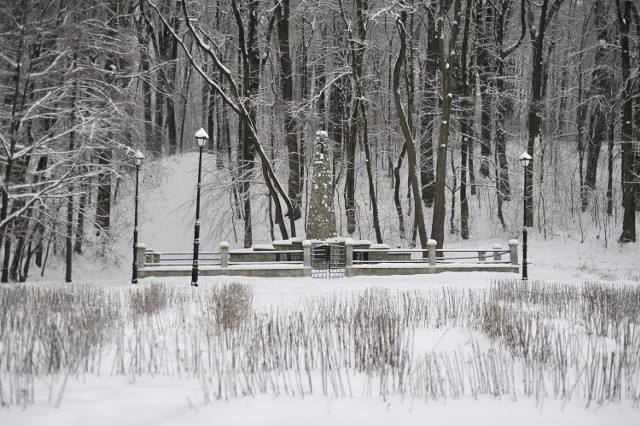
[[379, 247], [163, 400], [263, 247]]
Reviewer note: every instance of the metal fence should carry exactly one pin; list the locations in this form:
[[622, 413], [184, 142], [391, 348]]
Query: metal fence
[[180, 258], [328, 261]]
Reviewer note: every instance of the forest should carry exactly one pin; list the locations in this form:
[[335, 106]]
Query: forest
[[427, 103]]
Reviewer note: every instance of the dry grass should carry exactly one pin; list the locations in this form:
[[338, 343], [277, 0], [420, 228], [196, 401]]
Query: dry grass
[[531, 339]]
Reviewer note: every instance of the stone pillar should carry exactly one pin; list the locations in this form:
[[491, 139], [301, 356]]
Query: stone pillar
[[322, 218], [224, 254], [141, 248], [148, 253], [348, 252], [306, 253], [431, 246], [481, 254], [497, 256], [513, 252]]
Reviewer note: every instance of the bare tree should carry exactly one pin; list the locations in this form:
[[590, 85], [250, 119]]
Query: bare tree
[[548, 10], [623, 9], [406, 131], [447, 62]]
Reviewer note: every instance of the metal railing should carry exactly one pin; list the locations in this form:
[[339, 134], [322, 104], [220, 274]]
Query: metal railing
[[433, 256], [280, 257], [181, 258], [374, 256], [223, 258]]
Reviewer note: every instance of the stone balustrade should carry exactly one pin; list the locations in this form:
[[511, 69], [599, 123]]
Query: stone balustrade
[[285, 259]]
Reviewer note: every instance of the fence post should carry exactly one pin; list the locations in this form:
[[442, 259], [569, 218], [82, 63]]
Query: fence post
[[431, 247], [306, 254], [224, 255], [148, 253], [481, 254], [497, 252], [348, 252], [513, 252], [140, 249]]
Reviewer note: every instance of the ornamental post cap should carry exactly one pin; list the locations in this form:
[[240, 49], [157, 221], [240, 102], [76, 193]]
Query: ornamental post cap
[[138, 157], [524, 159]]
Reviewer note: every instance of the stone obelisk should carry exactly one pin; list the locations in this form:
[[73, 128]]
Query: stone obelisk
[[321, 222]]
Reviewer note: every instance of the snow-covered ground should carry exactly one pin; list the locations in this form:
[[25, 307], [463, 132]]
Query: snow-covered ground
[[161, 401], [171, 399]]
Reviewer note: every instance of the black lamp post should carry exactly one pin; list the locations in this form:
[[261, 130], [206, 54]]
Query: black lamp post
[[134, 274], [201, 139], [525, 159]]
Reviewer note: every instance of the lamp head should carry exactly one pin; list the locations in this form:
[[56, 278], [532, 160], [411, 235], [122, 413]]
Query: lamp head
[[525, 159], [138, 158], [201, 137], [322, 134]]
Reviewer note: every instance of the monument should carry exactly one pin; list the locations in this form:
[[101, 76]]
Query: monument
[[321, 222]]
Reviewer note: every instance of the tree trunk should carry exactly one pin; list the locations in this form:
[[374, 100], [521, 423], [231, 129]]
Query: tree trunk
[[372, 188], [429, 111], [465, 129], [503, 104], [636, 113], [143, 32], [103, 202], [396, 194], [82, 206], [250, 85], [484, 17], [406, 131], [290, 122], [535, 103], [628, 179], [14, 127], [600, 95], [69, 234], [610, 141], [446, 69], [357, 58]]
